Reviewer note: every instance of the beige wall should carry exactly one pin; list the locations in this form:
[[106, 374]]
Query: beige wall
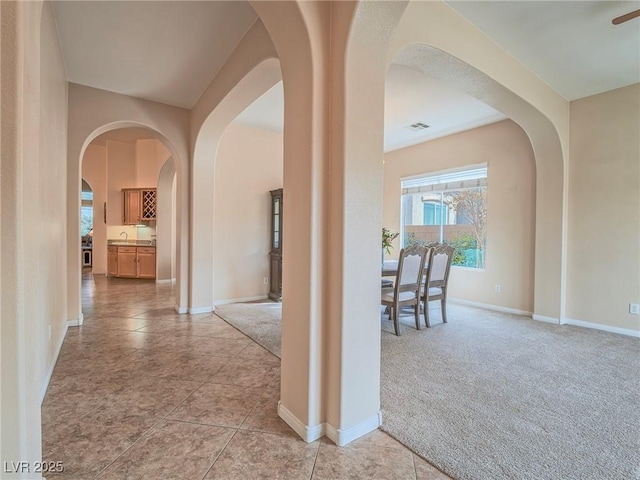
[[150, 157], [604, 209], [94, 171], [121, 173], [32, 232], [166, 223], [510, 210], [47, 227], [248, 166]]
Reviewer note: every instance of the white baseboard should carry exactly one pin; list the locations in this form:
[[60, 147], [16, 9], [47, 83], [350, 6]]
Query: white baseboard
[[553, 320], [489, 306], [600, 326], [166, 281], [77, 322], [180, 309], [308, 434], [240, 300], [542, 318], [342, 437], [47, 378], [196, 310]]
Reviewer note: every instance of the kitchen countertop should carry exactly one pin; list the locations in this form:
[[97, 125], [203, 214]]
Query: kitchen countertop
[[131, 243]]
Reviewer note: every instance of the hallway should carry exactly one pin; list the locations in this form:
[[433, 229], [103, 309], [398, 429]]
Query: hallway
[[140, 392]]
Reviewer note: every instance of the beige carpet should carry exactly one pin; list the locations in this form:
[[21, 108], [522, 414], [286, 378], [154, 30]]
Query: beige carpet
[[497, 396], [258, 320]]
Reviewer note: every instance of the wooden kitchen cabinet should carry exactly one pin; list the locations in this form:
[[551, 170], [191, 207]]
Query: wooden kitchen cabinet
[[132, 262], [146, 262], [139, 205], [113, 261], [132, 207], [127, 262]]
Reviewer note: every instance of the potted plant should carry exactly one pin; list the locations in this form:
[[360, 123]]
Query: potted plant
[[387, 237]]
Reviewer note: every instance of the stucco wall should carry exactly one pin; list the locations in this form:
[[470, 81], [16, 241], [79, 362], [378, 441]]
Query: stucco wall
[[46, 222], [32, 233], [248, 166], [510, 209], [604, 209], [150, 157]]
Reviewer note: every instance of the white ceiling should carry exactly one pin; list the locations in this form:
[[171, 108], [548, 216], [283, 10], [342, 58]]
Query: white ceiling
[[166, 51], [571, 45], [169, 51], [410, 97]]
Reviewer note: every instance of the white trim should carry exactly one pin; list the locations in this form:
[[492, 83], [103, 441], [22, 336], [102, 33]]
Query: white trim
[[240, 300], [343, 436], [47, 378], [308, 434], [542, 318], [77, 322], [180, 309], [488, 306], [165, 280], [196, 310], [600, 326]]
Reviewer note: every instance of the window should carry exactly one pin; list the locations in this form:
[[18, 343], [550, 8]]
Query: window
[[86, 212], [448, 207]]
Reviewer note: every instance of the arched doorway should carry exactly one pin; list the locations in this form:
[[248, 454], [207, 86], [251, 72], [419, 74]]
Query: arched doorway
[[113, 198]]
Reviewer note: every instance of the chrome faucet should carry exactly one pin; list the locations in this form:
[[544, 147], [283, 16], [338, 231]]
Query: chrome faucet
[[126, 236]]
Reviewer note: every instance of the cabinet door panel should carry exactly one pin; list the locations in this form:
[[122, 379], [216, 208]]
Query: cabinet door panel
[[146, 265], [132, 207], [113, 263], [127, 265]]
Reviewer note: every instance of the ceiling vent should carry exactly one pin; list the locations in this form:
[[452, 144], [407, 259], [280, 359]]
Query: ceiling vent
[[418, 126]]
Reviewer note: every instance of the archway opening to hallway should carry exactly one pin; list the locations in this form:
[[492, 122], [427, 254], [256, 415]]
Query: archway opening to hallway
[[248, 166], [238, 160], [134, 199]]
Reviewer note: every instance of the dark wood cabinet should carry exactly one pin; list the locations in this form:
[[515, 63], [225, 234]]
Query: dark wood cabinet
[[275, 252]]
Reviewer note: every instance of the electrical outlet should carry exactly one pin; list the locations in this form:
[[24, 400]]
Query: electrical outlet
[[634, 308], [498, 288], [266, 280]]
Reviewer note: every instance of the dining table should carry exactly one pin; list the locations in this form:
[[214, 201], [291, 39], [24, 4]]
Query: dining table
[[390, 268]]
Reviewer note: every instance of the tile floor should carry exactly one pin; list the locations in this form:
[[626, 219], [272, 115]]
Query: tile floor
[[140, 392]]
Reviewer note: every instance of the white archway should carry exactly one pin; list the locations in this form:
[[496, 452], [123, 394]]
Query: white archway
[[165, 223], [73, 211], [251, 85], [428, 39]]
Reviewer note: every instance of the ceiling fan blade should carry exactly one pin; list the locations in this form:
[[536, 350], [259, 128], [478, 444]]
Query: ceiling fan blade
[[624, 18]]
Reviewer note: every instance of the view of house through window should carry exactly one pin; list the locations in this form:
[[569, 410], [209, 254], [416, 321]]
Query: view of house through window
[[448, 207], [86, 209]]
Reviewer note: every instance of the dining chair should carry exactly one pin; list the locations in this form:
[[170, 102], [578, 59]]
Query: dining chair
[[406, 290], [437, 279]]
